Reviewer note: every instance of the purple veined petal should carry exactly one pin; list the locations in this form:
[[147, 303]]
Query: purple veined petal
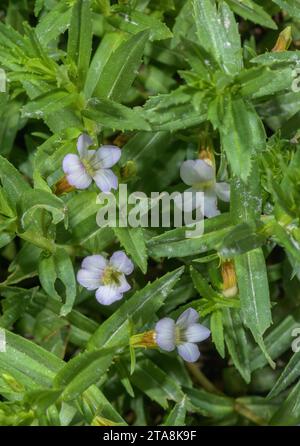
[[210, 203], [94, 262], [106, 180], [83, 142], [121, 262], [223, 191], [108, 294], [189, 352], [124, 285], [196, 171], [89, 279], [165, 334], [108, 156], [196, 333], [72, 164], [75, 172], [80, 181], [187, 318]]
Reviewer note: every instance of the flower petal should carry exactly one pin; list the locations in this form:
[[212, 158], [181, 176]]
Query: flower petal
[[106, 180], [196, 333], [165, 334], [189, 352], [189, 200], [196, 171], [83, 142], [124, 285], [223, 191], [89, 279], [121, 262], [75, 172], [108, 156], [210, 203], [108, 294], [90, 274], [95, 262], [187, 318]]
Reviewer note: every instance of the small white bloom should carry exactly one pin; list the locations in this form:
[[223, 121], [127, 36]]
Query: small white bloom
[[183, 334], [106, 276], [91, 165], [201, 177]]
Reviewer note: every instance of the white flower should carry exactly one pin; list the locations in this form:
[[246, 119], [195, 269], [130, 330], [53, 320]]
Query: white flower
[[183, 334], [107, 277], [201, 176], [91, 165]]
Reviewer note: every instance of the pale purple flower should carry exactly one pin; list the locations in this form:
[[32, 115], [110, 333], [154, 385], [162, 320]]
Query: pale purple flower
[[91, 165], [201, 177], [106, 276], [182, 334]]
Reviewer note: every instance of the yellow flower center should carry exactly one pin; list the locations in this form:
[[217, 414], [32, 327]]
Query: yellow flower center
[[88, 167], [111, 276]]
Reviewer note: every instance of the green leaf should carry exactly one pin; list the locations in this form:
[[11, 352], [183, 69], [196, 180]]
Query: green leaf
[[289, 412], [139, 307], [277, 341], [48, 103], [28, 363], [218, 33], [251, 267], [133, 22], [155, 383], [13, 182], [208, 404], [237, 342], [80, 37], [32, 200], [289, 375], [249, 10], [177, 415], [54, 23], [121, 68], [291, 6], [242, 135], [106, 48], [115, 116], [58, 266], [133, 241], [83, 371], [217, 331]]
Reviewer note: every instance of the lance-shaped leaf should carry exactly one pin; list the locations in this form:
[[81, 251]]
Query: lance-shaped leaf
[[13, 182], [236, 342], [121, 68], [115, 116], [249, 10], [48, 103], [83, 371], [106, 48], [209, 404], [289, 412], [155, 383], [133, 22], [242, 135], [251, 267], [80, 37], [289, 375], [177, 415], [218, 33]]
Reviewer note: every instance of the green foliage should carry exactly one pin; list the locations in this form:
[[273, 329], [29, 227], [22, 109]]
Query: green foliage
[[166, 81]]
